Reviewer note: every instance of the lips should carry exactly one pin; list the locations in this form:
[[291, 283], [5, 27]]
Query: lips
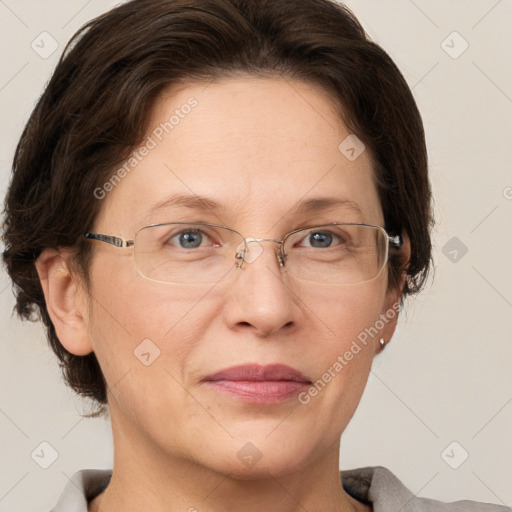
[[259, 373], [257, 384]]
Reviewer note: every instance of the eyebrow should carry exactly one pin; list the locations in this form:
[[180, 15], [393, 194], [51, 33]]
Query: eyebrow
[[204, 204]]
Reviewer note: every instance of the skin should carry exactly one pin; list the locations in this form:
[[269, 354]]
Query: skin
[[256, 146]]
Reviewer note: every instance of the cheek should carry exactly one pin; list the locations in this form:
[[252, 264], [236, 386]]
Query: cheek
[[140, 328], [145, 336], [345, 343], [345, 314]]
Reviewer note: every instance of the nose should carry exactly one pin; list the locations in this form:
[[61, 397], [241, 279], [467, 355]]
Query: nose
[[260, 298]]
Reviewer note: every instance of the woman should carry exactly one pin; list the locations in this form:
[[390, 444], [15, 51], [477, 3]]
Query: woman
[[217, 209]]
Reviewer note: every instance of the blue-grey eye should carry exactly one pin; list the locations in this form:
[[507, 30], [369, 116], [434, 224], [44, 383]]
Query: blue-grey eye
[[320, 239], [190, 239]]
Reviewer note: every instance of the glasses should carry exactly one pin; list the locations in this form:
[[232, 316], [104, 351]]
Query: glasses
[[200, 253]]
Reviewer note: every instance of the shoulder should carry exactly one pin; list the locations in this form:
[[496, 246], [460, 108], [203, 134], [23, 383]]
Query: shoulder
[[81, 488], [380, 487]]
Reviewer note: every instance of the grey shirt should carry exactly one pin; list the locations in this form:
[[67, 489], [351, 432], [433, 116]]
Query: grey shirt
[[371, 485]]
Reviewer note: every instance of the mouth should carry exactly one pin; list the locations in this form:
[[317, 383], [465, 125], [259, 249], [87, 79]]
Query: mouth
[[257, 384]]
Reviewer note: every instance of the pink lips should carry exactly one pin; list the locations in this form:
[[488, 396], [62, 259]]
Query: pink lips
[[258, 384]]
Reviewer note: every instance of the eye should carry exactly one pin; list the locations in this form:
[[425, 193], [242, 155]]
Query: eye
[[321, 239], [189, 239]]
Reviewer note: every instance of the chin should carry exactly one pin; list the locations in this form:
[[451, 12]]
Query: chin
[[259, 456]]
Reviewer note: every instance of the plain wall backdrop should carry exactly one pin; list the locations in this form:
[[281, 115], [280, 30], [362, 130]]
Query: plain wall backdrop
[[442, 390]]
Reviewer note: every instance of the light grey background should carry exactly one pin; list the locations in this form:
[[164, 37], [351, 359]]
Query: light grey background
[[446, 375]]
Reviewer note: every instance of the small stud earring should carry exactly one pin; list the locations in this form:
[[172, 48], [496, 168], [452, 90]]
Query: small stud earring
[[382, 342]]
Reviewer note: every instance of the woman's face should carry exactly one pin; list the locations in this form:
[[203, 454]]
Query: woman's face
[[258, 148]]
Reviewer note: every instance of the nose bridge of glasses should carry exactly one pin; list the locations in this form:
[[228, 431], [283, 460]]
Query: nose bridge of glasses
[[249, 256]]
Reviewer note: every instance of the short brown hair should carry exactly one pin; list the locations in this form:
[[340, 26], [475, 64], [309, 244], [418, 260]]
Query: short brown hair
[[95, 110]]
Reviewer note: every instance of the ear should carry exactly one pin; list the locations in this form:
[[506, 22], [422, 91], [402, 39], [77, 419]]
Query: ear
[[65, 300], [390, 310]]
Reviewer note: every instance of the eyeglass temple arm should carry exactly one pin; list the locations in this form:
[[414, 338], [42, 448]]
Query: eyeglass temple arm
[[112, 240]]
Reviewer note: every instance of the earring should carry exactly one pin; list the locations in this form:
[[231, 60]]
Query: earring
[[382, 342]]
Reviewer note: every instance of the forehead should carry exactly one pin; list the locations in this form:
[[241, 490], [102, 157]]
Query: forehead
[[259, 148]]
